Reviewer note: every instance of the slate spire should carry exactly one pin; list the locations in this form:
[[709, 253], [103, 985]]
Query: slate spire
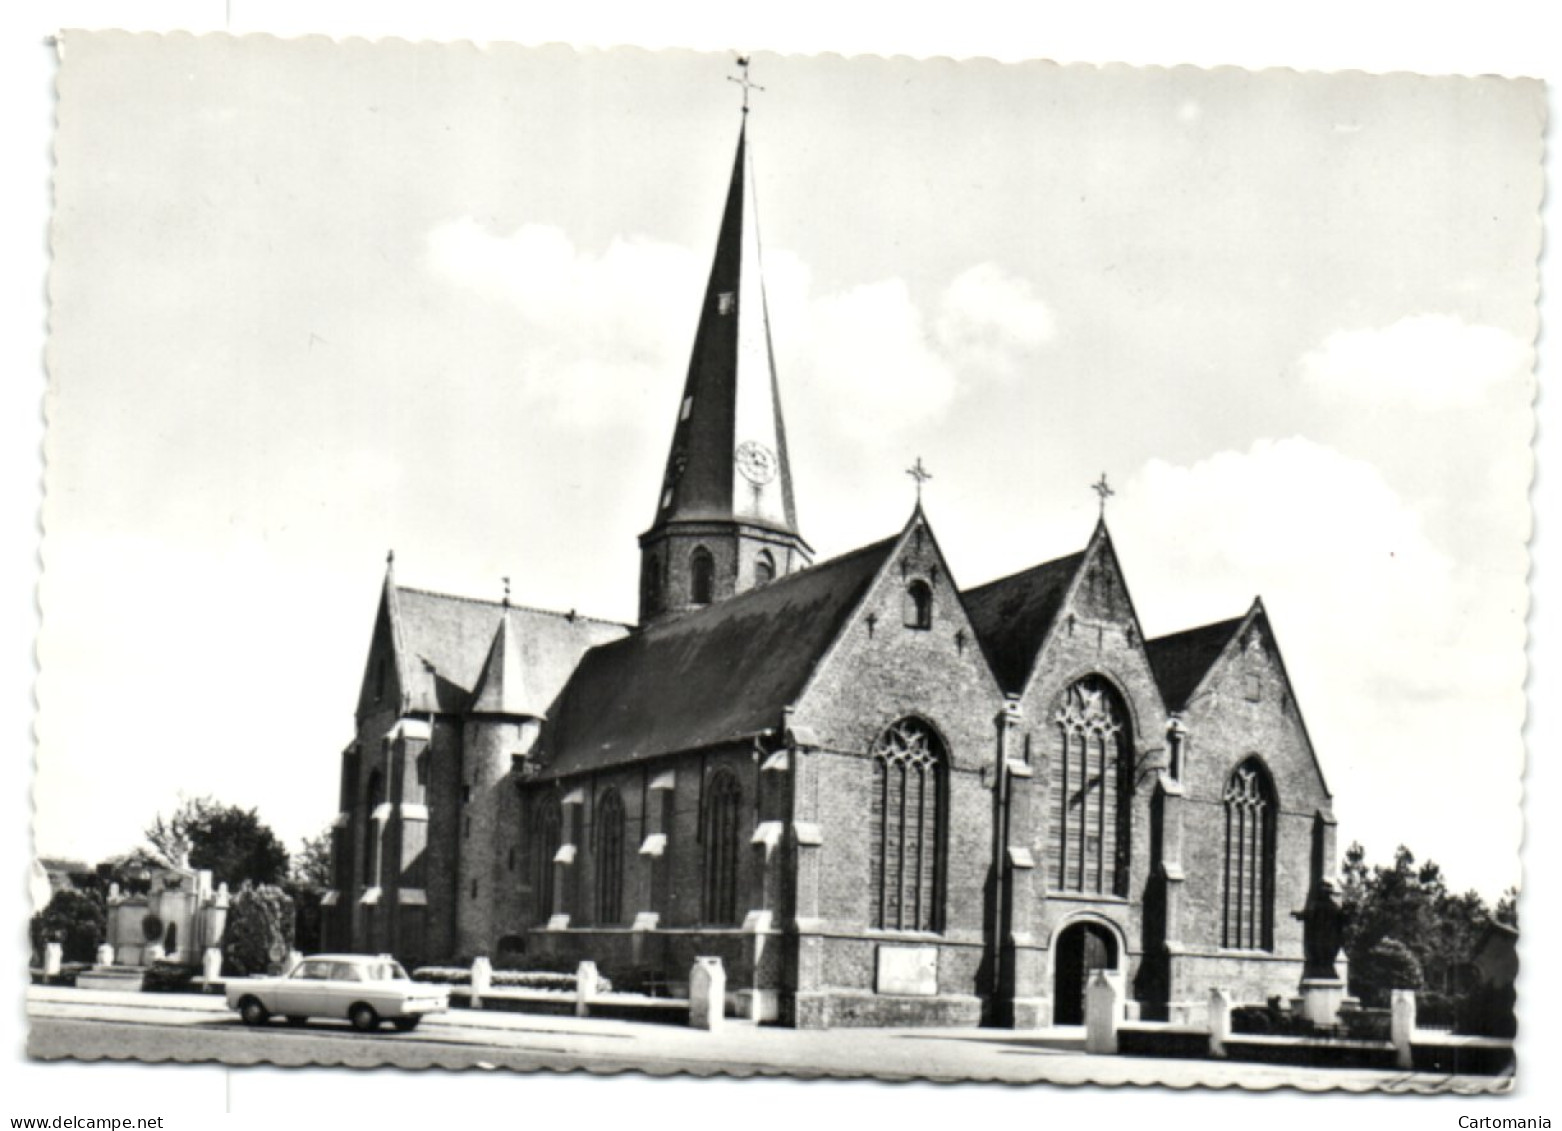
[[727, 485], [728, 457]]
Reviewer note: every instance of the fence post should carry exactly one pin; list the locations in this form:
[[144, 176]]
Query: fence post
[[211, 964], [482, 979], [1402, 1026], [1219, 1022], [1103, 1012], [707, 994], [585, 987]]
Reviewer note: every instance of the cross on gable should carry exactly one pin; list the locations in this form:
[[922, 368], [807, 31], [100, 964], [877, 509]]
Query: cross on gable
[[1103, 491], [920, 474]]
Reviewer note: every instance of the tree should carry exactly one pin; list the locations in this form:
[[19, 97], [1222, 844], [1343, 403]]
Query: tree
[[309, 880], [1409, 905], [76, 920], [130, 870], [1389, 965], [259, 932], [1507, 910], [312, 865], [230, 841]]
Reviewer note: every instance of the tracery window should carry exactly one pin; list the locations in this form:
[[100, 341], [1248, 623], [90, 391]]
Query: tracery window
[[906, 815], [1248, 917], [608, 854], [546, 839], [702, 577], [721, 835], [1091, 791], [919, 605]]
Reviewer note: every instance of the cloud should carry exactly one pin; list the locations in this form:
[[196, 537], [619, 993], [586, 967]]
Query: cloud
[[594, 336], [588, 333], [992, 322], [869, 347], [1430, 361], [1409, 666]]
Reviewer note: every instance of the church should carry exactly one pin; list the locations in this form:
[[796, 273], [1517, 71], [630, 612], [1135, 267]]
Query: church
[[878, 797]]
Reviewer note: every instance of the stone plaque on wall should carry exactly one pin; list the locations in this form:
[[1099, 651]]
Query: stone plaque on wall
[[909, 970]]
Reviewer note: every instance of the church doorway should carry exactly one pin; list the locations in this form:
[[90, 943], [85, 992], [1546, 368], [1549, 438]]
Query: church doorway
[[1082, 949]]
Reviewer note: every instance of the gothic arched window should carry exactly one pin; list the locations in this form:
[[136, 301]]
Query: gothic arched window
[[906, 817], [702, 577], [1091, 790], [721, 834], [919, 605], [1251, 809], [546, 839], [764, 568], [608, 854]]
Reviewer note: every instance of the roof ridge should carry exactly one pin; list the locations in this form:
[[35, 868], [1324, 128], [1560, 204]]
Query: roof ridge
[[1023, 572], [1229, 622], [570, 616]]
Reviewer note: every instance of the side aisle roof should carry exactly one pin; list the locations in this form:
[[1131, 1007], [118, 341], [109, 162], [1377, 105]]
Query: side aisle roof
[[447, 639]]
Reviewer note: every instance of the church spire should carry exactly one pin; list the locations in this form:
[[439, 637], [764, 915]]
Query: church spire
[[728, 479]]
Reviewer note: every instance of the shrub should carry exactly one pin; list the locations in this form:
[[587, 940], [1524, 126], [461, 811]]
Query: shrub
[[169, 978], [1390, 965], [74, 919], [1436, 1010], [1251, 1019], [259, 932], [1487, 1011]]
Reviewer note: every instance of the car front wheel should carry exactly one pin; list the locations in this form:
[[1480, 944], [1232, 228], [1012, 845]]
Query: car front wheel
[[364, 1019], [252, 1012], [406, 1024]]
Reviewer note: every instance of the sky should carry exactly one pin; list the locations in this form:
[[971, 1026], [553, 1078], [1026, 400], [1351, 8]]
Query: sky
[[311, 301]]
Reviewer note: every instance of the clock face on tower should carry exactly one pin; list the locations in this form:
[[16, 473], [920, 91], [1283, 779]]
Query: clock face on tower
[[756, 463]]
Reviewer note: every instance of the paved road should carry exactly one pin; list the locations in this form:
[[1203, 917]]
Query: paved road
[[70, 1024]]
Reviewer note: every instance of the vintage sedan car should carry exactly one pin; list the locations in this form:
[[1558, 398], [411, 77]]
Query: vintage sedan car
[[363, 989]]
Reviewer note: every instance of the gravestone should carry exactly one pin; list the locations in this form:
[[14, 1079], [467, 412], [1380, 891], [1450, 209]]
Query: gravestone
[[482, 979], [1219, 1022], [707, 994], [53, 955], [1402, 1026], [585, 987], [1103, 1011]]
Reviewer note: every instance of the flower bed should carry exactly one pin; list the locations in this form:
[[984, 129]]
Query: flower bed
[[505, 979]]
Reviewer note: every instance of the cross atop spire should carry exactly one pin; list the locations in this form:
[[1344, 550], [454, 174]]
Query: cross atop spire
[[742, 79], [1103, 492], [921, 475]]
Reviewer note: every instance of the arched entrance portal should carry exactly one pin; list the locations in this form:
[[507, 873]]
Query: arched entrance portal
[[1082, 949]]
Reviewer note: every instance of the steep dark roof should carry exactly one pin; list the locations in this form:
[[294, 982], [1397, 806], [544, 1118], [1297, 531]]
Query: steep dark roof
[[448, 639], [1181, 659], [709, 676], [1011, 616]]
